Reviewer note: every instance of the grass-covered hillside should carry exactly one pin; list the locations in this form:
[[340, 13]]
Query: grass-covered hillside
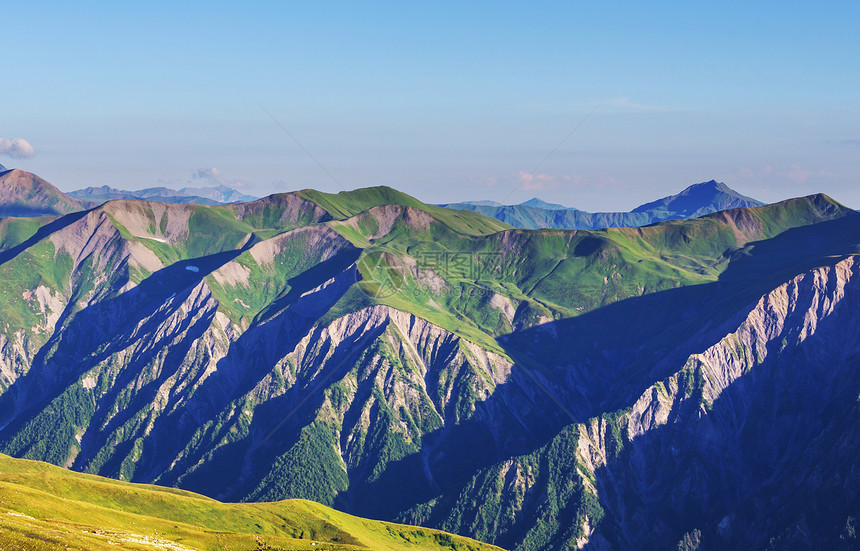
[[45, 507]]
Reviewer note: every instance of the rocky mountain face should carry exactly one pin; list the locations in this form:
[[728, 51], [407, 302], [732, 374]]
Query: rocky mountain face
[[612, 389], [696, 200], [720, 447]]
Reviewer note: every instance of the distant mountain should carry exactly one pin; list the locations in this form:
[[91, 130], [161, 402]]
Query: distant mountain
[[25, 194], [484, 203], [222, 194], [103, 193], [537, 203], [697, 200], [201, 196]]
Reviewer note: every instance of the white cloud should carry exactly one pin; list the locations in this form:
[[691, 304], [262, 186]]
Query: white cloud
[[537, 182], [214, 177], [798, 174], [543, 181], [17, 148], [212, 174]]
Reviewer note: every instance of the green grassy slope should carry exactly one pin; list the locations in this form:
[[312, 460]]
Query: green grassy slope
[[45, 507], [14, 231], [346, 204], [447, 276], [178, 232]]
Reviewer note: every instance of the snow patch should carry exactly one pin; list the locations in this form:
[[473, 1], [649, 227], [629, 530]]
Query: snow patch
[[194, 269], [160, 240]]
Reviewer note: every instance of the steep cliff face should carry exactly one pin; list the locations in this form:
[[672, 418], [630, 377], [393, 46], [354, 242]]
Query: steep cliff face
[[738, 417], [352, 404], [771, 407], [83, 261]]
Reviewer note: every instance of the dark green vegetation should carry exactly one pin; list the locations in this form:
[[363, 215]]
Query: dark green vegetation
[[44, 507], [696, 200], [655, 387]]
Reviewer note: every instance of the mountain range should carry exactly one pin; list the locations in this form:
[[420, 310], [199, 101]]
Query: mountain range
[[696, 200], [214, 195], [689, 384]]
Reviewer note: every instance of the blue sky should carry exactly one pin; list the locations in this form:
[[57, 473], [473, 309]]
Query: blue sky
[[445, 100]]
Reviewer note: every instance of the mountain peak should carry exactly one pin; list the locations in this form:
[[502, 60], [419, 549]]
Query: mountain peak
[[541, 204], [700, 199], [712, 185], [25, 194]]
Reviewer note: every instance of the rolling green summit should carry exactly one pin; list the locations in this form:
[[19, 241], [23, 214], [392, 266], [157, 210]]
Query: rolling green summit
[[688, 384]]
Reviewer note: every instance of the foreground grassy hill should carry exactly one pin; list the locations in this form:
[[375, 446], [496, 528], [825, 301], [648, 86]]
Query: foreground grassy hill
[[45, 507]]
